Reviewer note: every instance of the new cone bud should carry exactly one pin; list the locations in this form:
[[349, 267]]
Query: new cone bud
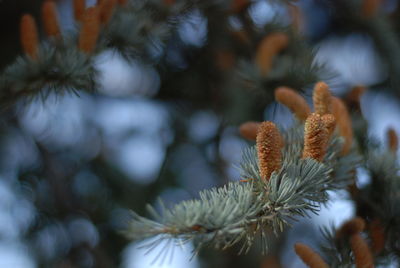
[[269, 144], [50, 19], [106, 10], [322, 98], [296, 103], [249, 130], [269, 47], [79, 9], [315, 138], [90, 30], [362, 254], [393, 141], [343, 121], [350, 227], [309, 256], [29, 36]]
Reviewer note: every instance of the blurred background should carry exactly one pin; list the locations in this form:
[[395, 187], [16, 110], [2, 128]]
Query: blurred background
[[72, 167]]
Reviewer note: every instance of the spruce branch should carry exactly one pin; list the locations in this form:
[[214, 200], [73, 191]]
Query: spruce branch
[[68, 64], [60, 71], [225, 216]]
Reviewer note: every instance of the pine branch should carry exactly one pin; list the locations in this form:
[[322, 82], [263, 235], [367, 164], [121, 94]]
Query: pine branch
[[65, 62], [63, 70], [239, 211]]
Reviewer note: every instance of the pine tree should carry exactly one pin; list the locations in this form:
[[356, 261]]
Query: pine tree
[[237, 70]]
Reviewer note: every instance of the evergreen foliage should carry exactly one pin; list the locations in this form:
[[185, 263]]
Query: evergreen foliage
[[236, 72]]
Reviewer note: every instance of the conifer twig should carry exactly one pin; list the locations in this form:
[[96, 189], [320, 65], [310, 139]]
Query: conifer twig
[[296, 103], [309, 256], [29, 36], [225, 216], [269, 145]]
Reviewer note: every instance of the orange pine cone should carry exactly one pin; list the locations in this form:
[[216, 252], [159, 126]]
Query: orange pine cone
[[29, 36], [249, 130], [107, 10], [50, 19], [296, 103], [329, 122], [315, 138], [269, 144], [268, 48], [393, 141], [90, 30], [343, 120], [362, 254], [79, 9], [309, 256], [322, 98]]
